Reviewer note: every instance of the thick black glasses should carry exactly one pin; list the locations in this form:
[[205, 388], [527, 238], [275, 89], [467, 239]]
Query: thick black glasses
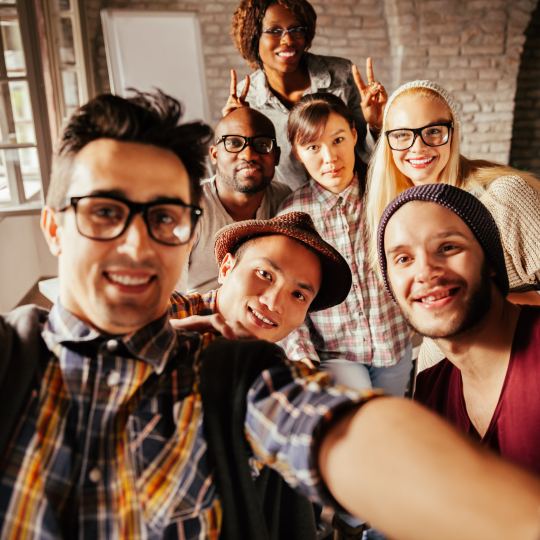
[[297, 32], [432, 135], [169, 221], [236, 143]]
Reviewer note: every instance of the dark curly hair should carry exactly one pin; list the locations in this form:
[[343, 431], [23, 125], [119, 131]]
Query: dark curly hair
[[247, 25], [146, 118]]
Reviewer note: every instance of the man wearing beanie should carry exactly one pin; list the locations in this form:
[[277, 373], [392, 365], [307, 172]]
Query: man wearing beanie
[[442, 261]]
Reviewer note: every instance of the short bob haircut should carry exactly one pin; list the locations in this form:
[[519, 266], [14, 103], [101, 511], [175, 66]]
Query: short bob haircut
[[146, 118], [247, 20]]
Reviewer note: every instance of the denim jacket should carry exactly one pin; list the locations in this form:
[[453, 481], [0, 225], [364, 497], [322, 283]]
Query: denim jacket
[[328, 74]]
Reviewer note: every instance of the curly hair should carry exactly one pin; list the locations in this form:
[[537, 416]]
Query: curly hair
[[247, 25], [146, 118]]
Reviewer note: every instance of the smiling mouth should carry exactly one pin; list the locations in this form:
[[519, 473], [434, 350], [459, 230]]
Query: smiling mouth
[[334, 171], [421, 161], [127, 280], [261, 317], [437, 296], [287, 54]]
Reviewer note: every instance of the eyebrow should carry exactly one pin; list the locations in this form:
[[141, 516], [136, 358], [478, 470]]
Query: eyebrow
[[299, 284], [337, 132], [122, 194], [439, 236], [435, 123]]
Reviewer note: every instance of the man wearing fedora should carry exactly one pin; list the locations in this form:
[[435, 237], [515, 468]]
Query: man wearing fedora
[[443, 262], [113, 422], [245, 155]]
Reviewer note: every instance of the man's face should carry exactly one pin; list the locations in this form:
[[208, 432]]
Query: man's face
[[247, 171], [437, 270], [118, 285], [271, 288]]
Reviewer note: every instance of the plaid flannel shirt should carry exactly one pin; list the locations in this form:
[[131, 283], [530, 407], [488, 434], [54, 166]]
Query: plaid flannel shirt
[[112, 443], [367, 327]]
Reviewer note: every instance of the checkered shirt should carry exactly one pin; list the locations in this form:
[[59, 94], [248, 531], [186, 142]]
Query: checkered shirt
[[112, 446], [367, 327]]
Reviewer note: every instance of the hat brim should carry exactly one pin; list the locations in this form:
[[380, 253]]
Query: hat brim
[[336, 274]]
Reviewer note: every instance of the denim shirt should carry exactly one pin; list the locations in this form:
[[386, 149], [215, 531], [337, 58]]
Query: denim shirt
[[328, 74]]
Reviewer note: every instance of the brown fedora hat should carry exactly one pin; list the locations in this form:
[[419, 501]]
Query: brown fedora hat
[[336, 274]]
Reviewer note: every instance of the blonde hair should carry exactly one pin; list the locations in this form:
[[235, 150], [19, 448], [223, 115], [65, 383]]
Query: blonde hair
[[385, 181]]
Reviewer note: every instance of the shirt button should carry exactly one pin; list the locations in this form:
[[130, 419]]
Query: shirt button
[[95, 475], [112, 345], [113, 378]]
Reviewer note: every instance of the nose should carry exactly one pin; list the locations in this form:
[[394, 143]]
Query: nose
[[328, 154], [248, 153], [418, 144], [136, 241], [427, 268], [272, 298], [286, 39]]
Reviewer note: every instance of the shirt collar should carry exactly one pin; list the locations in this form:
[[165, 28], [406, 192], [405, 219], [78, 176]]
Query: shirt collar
[[318, 72], [328, 199], [154, 343]]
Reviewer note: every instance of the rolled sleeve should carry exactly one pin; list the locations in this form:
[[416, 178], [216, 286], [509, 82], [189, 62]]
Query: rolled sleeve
[[287, 409]]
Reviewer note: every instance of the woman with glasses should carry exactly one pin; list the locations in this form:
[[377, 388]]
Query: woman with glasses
[[273, 38], [420, 145]]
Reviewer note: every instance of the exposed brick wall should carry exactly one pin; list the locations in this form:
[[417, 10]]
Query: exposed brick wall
[[472, 47], [525, 152]]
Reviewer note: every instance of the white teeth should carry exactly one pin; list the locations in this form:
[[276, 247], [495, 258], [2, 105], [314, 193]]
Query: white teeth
[[126, 280], [434, 297], [428, 299], [264, 319], [287, 54], [420, 161]]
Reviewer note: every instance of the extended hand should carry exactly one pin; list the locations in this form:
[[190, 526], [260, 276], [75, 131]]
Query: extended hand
[[213, 323], [373, 97], [235, 102]]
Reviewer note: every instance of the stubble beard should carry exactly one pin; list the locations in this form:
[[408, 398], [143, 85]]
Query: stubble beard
[[477, 306], [241, 187]]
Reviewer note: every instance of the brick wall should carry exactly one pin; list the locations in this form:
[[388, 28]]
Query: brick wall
[[525, 152], [472, 47]]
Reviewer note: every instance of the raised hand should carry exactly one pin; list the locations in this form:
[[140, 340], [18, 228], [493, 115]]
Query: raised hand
[[235, 102], [373, 97], [213, 323]]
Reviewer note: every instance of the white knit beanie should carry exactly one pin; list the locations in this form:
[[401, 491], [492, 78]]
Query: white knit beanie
[[449, 100]]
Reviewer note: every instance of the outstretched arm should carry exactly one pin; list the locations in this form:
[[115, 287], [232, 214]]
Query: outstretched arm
[[399, 466]]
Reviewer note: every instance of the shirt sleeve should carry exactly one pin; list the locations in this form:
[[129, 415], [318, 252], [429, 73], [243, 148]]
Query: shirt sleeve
[[298, 345], [287, 409]]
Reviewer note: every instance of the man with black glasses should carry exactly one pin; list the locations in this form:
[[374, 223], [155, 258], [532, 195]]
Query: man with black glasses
[[115, 426], [245, 155]]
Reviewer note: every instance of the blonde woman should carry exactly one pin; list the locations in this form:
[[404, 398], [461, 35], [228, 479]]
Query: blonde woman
[[420, 145]]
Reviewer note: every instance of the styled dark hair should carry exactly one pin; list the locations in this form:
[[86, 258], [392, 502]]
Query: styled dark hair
[[309, 115], [146, 118], [247, 20]]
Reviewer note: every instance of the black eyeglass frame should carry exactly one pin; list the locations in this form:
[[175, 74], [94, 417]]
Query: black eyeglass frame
[[272, 32], [247, 140], [418, 133], [135, 209]]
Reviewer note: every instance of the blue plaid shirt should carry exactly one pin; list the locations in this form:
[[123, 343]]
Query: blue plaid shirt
[[112, 444]]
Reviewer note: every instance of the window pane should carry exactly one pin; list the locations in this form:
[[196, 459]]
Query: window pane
[[67, 48], [22, 112], [11, 39], [71, 91], [62, 5], [30, 172], [4, 184]]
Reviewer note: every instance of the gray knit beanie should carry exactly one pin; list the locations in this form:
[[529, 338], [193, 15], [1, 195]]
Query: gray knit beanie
[[447, 97], [464, 205]]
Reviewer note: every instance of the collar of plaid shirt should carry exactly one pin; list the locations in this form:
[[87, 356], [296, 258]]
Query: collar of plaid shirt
[[328, 199]]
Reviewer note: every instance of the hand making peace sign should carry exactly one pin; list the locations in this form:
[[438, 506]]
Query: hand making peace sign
[[235, 102], [373, 97]]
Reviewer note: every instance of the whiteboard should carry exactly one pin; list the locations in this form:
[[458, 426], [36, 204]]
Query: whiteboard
[[157, 49]]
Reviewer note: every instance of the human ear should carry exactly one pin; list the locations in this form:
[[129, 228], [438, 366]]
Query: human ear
[[50, 225], [213, 154], [277, 155], [354, 133], [226, 267]]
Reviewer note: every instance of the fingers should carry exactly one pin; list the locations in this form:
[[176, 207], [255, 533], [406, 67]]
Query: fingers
[[383, 96], [369, 71], [358, 79], [241, 331], [246, 89], [307, 362], [223, 327], [233, 83]]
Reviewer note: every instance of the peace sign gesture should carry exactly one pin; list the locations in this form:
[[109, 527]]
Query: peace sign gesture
[[373, 97], [235, 102]]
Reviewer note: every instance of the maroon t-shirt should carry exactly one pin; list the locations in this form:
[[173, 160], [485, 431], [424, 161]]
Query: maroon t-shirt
[[514, 430]]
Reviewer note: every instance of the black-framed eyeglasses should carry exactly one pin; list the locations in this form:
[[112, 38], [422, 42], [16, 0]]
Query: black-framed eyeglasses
[[236, 143], [297, 32], [432, 135], [169, 221]]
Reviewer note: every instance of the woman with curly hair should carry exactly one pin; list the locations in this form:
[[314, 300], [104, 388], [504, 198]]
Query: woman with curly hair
[[274, 37]]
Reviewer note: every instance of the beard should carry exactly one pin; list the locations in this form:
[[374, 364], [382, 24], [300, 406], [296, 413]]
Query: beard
[[477, 304], [244, 185]]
